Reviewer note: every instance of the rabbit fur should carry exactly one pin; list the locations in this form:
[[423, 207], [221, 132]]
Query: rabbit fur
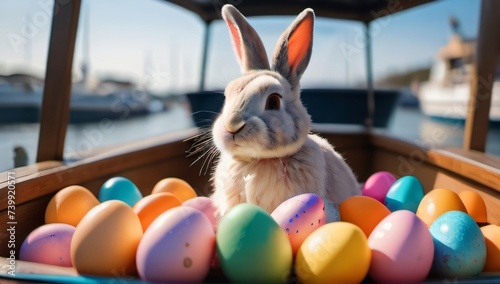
[[267, 153]]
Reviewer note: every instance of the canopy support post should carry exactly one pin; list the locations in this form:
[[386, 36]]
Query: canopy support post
[[483, 76], [55, 108], [369, 78], [206, 40]]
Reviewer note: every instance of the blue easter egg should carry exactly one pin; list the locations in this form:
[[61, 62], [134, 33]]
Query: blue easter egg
[[405, 194], [459, 245], [120, 188]]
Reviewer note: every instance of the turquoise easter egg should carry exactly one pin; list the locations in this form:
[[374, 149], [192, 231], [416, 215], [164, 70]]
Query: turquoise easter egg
[[252, 247], [459, 245], [120, 188], [405, 194]]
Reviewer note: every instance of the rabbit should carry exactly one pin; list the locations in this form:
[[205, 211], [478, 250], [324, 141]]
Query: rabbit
[[267, 153]]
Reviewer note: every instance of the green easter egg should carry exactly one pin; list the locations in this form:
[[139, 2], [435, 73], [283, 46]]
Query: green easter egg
[[252, 247]]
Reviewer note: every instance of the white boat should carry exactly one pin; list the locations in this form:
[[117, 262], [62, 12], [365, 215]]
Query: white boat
[[446, 94]]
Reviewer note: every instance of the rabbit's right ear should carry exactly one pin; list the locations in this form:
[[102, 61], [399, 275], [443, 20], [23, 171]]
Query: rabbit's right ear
[[294, 48], [247, 44]]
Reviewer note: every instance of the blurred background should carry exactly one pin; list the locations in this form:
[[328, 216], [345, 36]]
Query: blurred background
[[136, 60]]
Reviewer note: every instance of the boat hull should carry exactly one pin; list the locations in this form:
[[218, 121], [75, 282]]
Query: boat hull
[[451, 102], [20, 107]]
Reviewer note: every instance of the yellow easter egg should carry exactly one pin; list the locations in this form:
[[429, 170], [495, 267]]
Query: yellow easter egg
[[177, 187], [336, 252], [437, 202], [69, 205]]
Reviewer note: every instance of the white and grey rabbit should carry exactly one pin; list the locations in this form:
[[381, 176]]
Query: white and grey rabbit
[[267, 153]]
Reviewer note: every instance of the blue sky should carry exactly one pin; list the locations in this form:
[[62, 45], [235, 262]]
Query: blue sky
[[129, 39]]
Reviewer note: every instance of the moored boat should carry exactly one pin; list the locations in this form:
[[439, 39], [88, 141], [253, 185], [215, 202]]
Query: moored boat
[[446, 94]]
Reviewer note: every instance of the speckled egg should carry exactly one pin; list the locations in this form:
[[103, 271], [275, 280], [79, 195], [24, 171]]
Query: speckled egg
[[177, 247], [49, 244], [299, 216], [459, 245]]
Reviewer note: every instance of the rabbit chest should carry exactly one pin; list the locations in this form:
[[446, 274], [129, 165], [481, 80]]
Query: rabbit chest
[[269, 182]]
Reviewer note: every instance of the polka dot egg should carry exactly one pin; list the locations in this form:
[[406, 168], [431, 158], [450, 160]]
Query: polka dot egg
[[299, 216]]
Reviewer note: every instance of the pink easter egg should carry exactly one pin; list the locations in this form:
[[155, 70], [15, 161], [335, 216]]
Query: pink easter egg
[[205, 205], [178, 246], [49, 244], [377, 185], [402, 249]]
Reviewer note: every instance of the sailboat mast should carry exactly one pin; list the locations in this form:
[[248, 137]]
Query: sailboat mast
[[86, 43]]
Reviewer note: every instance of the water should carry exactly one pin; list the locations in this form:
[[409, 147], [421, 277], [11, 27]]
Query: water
[[409, 123], [81, 139], [412, 125]]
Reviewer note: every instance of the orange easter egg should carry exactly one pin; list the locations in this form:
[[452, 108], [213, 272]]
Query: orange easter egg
[[69, 205], [363, 211], [475, 206], [151, 206], [437, 202], [491, 235], [178, 187]]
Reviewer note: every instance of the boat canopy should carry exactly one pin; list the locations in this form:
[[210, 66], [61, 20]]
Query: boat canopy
[[358, 10]]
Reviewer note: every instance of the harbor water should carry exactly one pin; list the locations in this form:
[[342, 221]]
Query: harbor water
[[408, 123]]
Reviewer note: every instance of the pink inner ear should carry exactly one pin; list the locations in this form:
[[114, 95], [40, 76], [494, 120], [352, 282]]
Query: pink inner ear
[[236, 38], [299, 42]]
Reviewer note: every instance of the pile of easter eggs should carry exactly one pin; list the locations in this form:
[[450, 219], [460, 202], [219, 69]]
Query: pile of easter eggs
[[391, 233], [167, 236]]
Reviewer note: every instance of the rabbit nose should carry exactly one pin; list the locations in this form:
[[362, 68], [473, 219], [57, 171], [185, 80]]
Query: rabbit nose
[[234, 123], [237, 128]]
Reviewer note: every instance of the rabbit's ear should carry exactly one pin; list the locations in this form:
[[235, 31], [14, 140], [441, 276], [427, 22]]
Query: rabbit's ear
[[294, 48], [247, 44]]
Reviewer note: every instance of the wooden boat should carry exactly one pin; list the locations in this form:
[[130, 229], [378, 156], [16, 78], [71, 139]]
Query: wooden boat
[[366, 149]]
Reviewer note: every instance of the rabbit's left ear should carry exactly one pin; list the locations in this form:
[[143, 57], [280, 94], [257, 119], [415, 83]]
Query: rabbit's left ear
[[294, 48], [247, 44]]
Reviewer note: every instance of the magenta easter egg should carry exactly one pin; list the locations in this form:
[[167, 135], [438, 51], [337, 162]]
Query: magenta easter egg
[[402, 249], [49, 244], [377, 185], [299, 216], [178, 246]]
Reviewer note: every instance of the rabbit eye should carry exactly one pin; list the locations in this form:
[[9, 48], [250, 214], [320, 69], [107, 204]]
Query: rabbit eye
[[273, 101]]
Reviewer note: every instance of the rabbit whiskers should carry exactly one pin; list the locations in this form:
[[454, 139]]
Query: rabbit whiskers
[[203, 143]]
